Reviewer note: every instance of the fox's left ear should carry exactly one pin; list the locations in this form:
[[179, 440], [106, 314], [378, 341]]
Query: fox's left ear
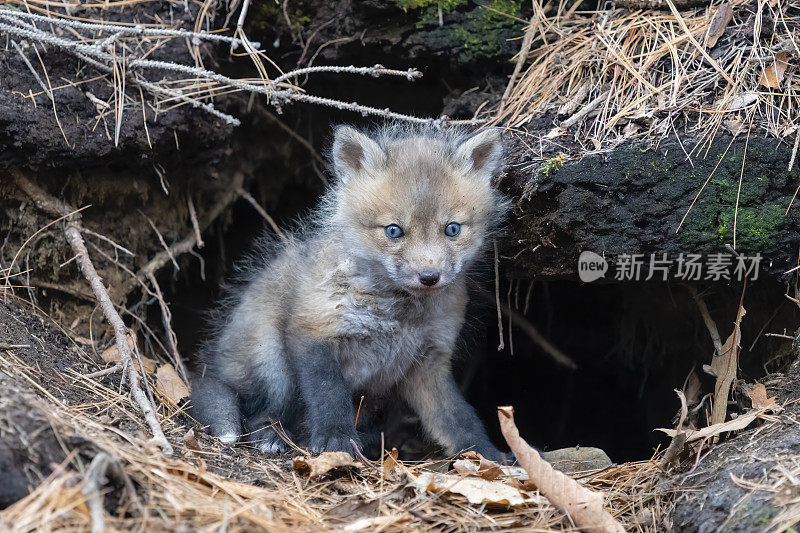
[[482, 153]]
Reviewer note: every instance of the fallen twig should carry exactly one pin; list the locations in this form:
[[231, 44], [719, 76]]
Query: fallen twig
[[72, 231], [584, 506]]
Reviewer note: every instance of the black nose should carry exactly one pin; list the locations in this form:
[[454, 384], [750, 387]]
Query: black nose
[[429, 277]]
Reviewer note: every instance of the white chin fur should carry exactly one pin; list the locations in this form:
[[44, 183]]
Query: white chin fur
[[228, 438]]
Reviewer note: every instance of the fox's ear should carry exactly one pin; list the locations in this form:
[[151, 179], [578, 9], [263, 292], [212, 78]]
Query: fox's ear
[[353, 152], [482, 153]]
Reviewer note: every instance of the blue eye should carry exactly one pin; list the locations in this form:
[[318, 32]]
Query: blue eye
[[452, 229], [393, 231]]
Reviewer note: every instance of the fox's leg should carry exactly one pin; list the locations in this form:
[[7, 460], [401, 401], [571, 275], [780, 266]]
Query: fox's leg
[[431, 391], [216, 405], [327, 397]]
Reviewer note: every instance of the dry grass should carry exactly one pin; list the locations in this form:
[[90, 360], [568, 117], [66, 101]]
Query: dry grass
[[170, 494], [646, 75], [207, 487]]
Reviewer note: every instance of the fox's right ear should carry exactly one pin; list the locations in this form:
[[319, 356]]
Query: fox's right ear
[[482, 153], [354, 153]]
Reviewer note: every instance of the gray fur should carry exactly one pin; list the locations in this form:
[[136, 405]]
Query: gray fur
[[333, 313]]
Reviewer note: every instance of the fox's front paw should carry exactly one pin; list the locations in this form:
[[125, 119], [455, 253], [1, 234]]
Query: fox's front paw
[[336, 442], [273, 443]]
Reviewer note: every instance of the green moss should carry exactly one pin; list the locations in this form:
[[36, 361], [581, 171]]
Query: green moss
[[484, 32], [472, 30], [552, 165], [755, 226]]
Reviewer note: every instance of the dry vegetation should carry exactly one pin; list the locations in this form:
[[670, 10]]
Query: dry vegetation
[[615, 75], [623, 74]]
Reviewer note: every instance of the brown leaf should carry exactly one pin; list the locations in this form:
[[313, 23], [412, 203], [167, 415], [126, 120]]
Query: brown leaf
[[390, 462], [170, 385], [111, 355], [583, 505], [724, 365], [190, 440], [759, 396], [474, 464], [772, 76], [314, 467], [476, 489], [738, 423], [718, 24], [735, 126]]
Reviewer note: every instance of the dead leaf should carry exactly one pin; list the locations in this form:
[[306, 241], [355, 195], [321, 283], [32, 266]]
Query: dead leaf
[[476, 489], [170, 384], [314, 467], [678, 441], [474, 464], [735, 126], [111, 355], [718, 24], [737, 424], [759, 396], [390, 462], [772, 76], [743, 100], [583, 505], [190, 440], [724, 366]]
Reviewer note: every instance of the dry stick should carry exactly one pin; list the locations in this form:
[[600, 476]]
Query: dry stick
[[39, 80], [94, 56], [195, 225], [172, 339], [72, 231], [497, 296], [95, 479], [161, 240], [583, 506], [588, 108], [261, 211], [523, 56]]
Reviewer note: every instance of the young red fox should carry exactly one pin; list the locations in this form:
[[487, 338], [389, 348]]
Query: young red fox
[[367, 300]]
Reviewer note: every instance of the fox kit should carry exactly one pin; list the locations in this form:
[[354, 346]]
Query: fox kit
[[368, 299]]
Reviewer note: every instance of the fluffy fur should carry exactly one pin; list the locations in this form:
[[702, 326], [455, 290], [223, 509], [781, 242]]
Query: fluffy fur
[[340, 309]]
